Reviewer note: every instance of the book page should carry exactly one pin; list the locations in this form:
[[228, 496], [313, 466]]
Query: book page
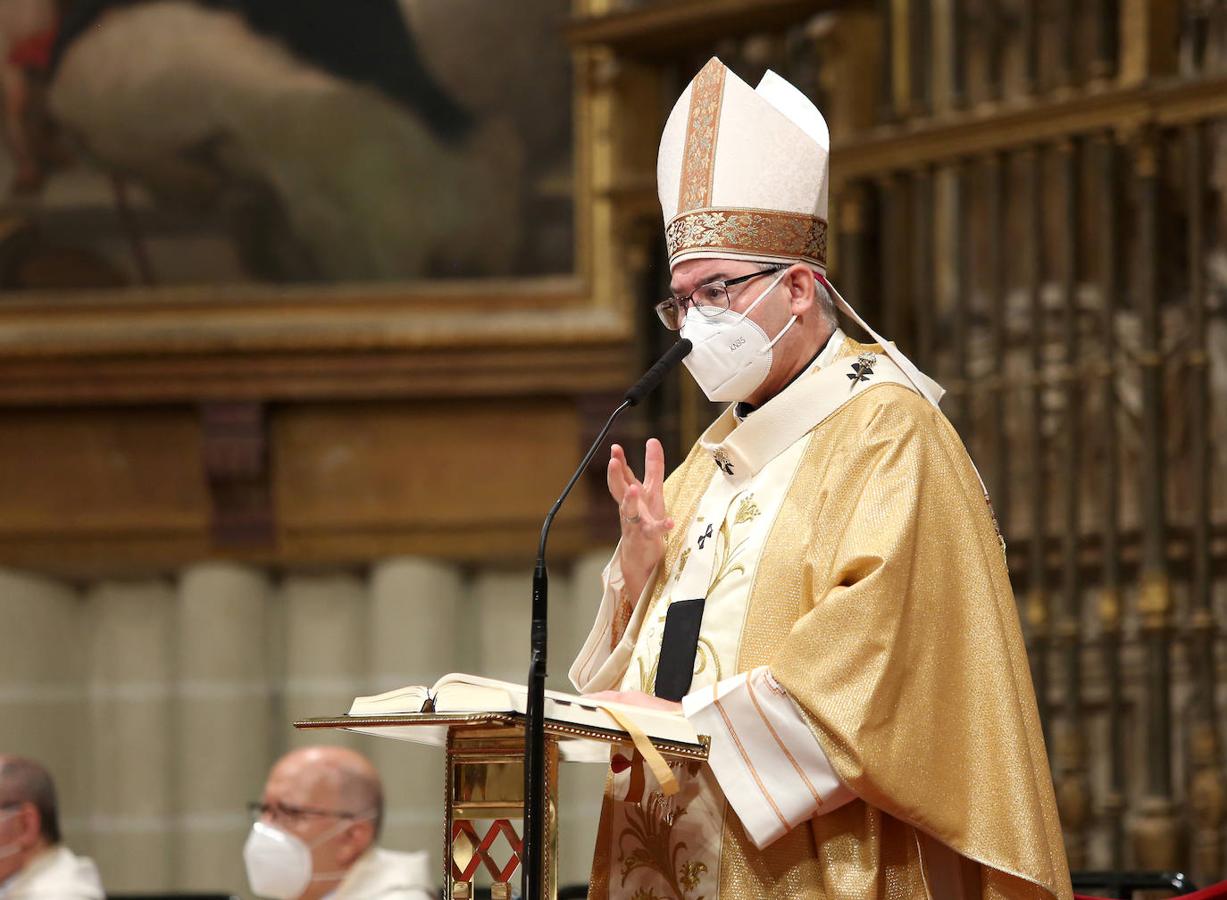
[[460, 692], [409, 699]]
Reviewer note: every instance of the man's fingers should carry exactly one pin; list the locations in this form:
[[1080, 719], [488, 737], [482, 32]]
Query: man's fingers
[[617, 484], [629, 507], [617, 453], [653, 466]]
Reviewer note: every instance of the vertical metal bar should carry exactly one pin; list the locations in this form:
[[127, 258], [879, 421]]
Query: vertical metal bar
[[1110, 597], [894, 239], [958, 54], [1207, 788], [1031, 46], [1155, 830], [851, 260], [886, 87], [998, 446], [1196, 28], [1074, 792], [920, 31], [923, 268], [1065, 43], [993, 32], [1037, 594], [1107, 33]]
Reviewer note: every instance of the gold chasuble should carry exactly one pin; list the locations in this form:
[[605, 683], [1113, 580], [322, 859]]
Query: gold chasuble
[[841, 538]]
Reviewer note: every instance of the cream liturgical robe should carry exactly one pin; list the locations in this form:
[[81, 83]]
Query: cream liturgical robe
[[860, 667], [55, 874]]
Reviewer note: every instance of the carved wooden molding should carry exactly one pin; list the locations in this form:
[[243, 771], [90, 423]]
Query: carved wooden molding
[[661, 28], [1021, 123]]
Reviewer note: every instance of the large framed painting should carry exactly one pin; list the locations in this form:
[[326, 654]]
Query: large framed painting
[[188, 143]]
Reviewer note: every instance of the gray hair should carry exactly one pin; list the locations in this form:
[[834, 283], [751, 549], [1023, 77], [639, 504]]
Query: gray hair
[[25, 781], [826, 304]]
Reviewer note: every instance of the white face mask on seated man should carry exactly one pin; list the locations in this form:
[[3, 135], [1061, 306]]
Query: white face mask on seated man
[[279, 863]]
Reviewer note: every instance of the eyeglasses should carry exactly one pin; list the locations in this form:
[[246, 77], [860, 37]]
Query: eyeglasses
[[710, 299], [284, 812]]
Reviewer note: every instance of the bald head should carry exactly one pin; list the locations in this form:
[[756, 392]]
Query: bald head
[[23, 780], [331, 778]]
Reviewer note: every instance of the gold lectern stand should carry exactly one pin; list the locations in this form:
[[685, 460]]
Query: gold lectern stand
[[485, 783]]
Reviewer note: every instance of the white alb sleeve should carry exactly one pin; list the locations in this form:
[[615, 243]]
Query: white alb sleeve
[[770, 766], [598, 666]]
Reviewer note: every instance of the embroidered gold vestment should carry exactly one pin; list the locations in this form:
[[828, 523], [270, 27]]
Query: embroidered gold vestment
[[877, 594]]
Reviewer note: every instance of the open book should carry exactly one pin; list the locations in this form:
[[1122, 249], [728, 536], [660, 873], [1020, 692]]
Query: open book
[[460, 693]]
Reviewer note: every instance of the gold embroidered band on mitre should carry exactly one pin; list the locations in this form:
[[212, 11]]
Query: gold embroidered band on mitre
[[749, 232], [702, 126]]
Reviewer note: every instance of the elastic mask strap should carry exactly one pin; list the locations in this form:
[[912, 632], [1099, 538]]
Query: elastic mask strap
[[782, 332], [329, 835], [771, 287]]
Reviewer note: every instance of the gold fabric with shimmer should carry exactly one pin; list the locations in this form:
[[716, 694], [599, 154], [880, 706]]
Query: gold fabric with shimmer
[[883, 605]]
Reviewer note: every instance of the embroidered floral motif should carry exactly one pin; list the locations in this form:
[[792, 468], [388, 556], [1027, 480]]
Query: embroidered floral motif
[[681, 564], [757, 231], [747, 511], [725, 558], [647, 842], [702, 125], [690, 874]]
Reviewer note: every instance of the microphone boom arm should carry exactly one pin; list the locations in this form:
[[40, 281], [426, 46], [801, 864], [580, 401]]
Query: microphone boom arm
[[534, 883]]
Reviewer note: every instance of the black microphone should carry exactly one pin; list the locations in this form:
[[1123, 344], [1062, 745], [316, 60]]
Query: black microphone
[[653, 376], [533, 884]]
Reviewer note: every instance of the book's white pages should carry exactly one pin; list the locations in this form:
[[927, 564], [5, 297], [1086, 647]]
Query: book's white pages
[[462, 693]]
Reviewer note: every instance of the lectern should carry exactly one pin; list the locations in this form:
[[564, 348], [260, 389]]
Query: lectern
[[484, 794]]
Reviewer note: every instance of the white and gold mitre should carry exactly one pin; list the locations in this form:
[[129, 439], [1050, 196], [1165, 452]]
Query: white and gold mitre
[[742, 172]]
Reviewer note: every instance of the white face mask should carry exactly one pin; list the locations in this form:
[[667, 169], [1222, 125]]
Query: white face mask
[[279, 863], [732, 354]]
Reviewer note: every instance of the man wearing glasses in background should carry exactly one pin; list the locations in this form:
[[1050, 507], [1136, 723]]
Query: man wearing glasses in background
[[819, 586], [315, 830]]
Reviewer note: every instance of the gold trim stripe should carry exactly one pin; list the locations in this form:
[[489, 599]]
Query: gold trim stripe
[[780, 742], [745, 757], [702, 126], [756, 232]]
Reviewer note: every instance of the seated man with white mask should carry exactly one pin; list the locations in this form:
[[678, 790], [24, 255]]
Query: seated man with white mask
[[315, 832], [33, 862]]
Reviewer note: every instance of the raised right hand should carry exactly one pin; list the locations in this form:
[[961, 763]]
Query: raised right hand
[[641, 510]]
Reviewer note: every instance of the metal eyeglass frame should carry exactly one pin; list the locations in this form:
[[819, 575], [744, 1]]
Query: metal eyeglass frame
[[672, 311]]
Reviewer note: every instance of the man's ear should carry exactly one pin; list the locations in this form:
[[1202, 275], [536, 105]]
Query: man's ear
[[802, 295], [31, 825], [358, 837]]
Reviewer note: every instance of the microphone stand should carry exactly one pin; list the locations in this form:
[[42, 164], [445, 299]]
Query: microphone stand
[[534, 739], [533, 847]]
